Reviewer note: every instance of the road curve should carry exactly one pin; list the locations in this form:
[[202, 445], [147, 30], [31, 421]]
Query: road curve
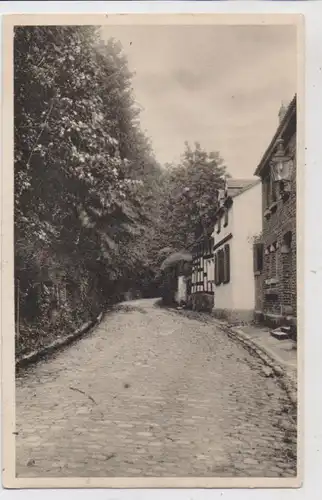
[[152, 393]]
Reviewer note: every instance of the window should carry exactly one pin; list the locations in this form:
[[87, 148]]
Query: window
[[217, 279], [221, 260], [226, 264], [222, 266], [275, 264], [211, 270], [258, 257], [210, 246], [219, 225], [226, 218], [272, 260], [287, 243]]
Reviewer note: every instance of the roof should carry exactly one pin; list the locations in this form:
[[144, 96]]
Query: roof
[[289, 115], [238, 186], [235, 187]]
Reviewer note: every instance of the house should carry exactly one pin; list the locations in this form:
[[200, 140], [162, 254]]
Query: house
[[202, 276], [238, 222], [176, 273], [183, 284], [275, 249]]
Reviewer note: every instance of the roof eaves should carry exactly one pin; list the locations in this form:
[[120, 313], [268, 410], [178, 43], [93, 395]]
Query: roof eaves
[[246, 188], [282, 126]]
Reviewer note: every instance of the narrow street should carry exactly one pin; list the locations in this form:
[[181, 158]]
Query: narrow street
[[151, 393]]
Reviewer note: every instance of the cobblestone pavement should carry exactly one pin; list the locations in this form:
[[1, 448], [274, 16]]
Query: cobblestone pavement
[[152, 393]]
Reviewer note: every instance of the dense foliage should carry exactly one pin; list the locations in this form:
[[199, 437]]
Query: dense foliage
[[95, 215], [191, 196], [83, 169]]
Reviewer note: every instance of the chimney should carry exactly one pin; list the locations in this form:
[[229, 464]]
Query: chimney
[[283, 110]]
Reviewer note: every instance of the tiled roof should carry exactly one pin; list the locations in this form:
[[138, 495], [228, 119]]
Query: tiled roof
[[237, 186]]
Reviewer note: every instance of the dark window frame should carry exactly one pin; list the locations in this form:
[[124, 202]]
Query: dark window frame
[[226, 264], [226, 217], [219, 224], [217, 283]]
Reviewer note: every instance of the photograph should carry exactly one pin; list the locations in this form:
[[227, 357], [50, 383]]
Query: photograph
[[153, 333]]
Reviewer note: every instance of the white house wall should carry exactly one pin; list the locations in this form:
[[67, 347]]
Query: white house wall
[[224, 293], [210, 270], [182, 290], [247, 210]]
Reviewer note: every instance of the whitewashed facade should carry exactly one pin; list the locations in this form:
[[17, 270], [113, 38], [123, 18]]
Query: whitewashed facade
[[181, 293], [203, 267], [237, 223]]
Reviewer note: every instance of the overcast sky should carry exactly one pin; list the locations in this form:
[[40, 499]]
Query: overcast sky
[[219, 85]]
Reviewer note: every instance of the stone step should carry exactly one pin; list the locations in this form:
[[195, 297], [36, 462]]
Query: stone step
[[281, 333]]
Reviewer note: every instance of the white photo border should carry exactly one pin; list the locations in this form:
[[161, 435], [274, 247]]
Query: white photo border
[[312, 241]]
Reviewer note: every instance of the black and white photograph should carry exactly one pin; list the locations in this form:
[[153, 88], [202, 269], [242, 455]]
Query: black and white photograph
[[155, 305]]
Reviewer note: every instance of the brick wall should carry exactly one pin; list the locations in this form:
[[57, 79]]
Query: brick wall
[[259, 293], [276, 298]]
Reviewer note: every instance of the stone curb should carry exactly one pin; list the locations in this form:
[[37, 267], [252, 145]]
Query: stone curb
[[278, 370], [57, 344]]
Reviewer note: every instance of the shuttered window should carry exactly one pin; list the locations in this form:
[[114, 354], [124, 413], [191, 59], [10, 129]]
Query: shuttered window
[[219, 225], [217, 281], [226, 218], [226, 265], [222, 265]]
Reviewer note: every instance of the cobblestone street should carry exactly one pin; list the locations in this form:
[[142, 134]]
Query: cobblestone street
[[152, 393]]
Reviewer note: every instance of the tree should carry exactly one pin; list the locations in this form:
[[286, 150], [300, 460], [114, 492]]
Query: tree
[[192, 195], [84, 172]]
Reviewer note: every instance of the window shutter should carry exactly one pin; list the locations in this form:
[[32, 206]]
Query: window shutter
[[219, 224], [226, 217], [217, 268], [220, 267], [226, 264]]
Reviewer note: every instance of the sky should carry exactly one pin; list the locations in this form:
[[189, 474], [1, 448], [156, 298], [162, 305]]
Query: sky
[[219, 85]]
